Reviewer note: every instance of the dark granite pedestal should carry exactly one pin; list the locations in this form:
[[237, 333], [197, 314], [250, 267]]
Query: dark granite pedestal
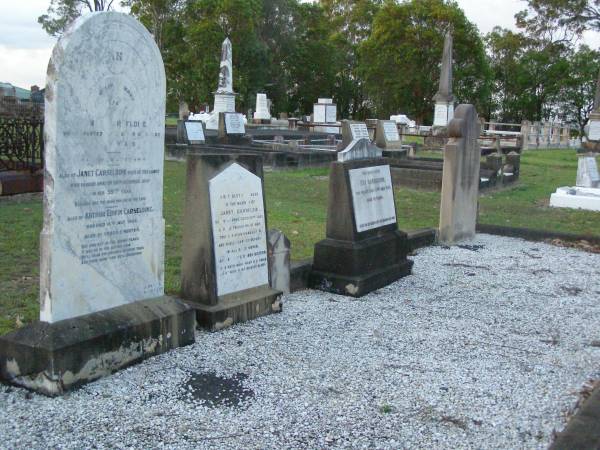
[[351, 262], [52, 358]]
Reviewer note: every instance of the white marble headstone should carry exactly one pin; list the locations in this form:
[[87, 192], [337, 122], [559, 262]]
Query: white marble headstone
[[102, 243], [234, 123], [319, 113], [239, 233], [372, 197], [330, 113], [262, 107], [441, 114], [194, 131]]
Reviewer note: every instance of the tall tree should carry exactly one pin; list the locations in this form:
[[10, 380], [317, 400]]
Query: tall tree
[[550, 18], [400, 61], [576, 95], [62, 12]]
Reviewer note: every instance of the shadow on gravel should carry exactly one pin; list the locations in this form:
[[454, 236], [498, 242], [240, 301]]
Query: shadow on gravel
[[215, 391]]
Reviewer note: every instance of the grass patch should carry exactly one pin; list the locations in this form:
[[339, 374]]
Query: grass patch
[[297, 205]]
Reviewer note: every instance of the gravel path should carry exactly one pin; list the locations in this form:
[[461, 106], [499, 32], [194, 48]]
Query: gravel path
[[485, 346]]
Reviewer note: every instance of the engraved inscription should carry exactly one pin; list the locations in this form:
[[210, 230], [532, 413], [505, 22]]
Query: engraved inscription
[[372, 197]]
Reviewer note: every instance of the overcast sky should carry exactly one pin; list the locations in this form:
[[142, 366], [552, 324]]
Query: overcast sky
[[25, 48]]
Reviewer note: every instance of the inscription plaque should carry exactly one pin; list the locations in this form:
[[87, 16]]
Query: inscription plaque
[[234, 123], [390, 129], [239, 233], [372, 197], [440, 115], [359, 131], [195, 131], [594, 132]]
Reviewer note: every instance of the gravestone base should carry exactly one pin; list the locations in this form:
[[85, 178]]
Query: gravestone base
[[591, 146], [355, 268], [238, 307], [52, 358]]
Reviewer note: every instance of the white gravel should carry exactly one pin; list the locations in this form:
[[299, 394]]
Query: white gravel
[[480, 348]]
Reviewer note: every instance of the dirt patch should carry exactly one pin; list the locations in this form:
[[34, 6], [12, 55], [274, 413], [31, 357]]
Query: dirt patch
[[214, 390]]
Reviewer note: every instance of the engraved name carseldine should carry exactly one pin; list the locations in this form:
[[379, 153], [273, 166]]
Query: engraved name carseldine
[[373, 197]]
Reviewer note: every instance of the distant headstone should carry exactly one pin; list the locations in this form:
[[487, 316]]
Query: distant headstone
[[102, 303], [325, 111], [387, 136], [364, 250], [279, 260], [353, 131], [232, 129], [195, 132], [234, 123], [587, 172], [262, 108], [225, 273], [460, 182]]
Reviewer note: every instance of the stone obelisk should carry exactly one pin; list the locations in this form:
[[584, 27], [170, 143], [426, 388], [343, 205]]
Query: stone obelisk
[[444, 100], [224, 95]]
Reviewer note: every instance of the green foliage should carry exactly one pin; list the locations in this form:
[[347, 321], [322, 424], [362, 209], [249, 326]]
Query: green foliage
[[400, 61], [62, 12]]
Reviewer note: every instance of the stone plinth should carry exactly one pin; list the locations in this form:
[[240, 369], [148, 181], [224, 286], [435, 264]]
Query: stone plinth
[[225, 273], [460, 183], [364, 250]]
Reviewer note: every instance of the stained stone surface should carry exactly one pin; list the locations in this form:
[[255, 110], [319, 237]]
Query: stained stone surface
[[226, 68], [279, 260], [460, 182], [195, 131], [390, 130], [239, 233], [372, 197], [102, 243], [387, 136]]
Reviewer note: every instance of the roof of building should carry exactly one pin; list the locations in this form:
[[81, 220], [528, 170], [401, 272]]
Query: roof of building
[[22, 94]]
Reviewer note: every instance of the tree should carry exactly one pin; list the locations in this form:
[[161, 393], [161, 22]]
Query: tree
[[528, 75], [62, 12], [576, 96], [350, 24], [155, 15], [400, 61], [551, 17]]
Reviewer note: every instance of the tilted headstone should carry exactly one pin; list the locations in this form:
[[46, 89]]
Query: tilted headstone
[[460, 182], [225, 273], [194, 131], [364, 250], [387, 136], [444, 100], [587, 172], [102, 303], [279, 260]]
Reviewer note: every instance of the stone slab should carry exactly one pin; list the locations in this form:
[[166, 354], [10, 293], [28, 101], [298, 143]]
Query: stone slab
[[244, 306], [104, 154], [576, 198], [52, 358]]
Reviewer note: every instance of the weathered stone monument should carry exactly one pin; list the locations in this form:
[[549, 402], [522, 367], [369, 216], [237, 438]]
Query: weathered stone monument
[[586, 193], [278, 246], [460, 182], [364, 250], [102, 303], [387, 136], [262, 114], [224, 95], [225, 272], [444, 100]]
